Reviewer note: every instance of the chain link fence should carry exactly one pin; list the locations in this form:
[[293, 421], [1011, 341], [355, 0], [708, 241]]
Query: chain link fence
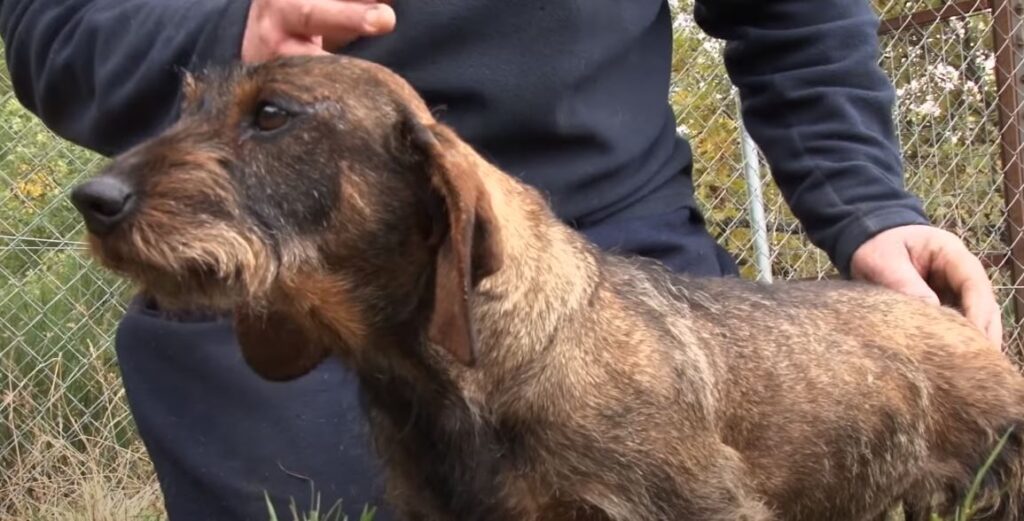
[[956, 70], [68, 448], [67, 443]]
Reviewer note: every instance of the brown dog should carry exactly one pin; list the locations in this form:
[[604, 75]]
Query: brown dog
[[515, 371]]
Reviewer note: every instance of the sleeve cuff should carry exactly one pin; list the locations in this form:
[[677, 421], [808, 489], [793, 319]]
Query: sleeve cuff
[[862, 228]]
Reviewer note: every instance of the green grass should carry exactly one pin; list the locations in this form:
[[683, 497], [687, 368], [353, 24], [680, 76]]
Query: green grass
[[968, 508], [316, 512]]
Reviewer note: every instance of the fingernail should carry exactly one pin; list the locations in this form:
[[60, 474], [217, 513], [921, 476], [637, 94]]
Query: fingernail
[[374, 18]]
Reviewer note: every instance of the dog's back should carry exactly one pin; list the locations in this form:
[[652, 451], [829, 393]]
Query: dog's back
[[820, 385], [662, 396]]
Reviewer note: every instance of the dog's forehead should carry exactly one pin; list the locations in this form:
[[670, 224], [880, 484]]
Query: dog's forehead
[[315, 78], [363, 91], [296, 79]]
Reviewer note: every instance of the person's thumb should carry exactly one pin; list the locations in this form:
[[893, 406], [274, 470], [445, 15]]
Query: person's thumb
[[301, 47]]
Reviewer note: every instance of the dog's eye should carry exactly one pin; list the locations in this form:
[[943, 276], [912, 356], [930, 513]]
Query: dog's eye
[[270, 117]]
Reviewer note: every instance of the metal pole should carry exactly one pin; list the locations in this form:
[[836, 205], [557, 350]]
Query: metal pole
[[755, 200], [1006, 38]]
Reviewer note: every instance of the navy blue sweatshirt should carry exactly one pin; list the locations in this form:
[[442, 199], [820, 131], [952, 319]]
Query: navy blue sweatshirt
[[570, 95]]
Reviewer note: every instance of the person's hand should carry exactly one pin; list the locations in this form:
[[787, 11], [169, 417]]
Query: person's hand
[[927, 262], [277, 28]]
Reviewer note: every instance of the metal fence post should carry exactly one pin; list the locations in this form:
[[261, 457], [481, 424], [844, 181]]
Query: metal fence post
[[755, 199], [1007, 41]]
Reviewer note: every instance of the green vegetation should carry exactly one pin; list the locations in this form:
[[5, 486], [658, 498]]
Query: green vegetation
[[62, 413], [316, 512]]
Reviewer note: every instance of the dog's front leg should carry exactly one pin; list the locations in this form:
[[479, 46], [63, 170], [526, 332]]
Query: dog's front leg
[[718, 484], [407, 498], [702, 480]]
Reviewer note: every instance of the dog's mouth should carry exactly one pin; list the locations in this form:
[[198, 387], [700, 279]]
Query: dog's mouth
[[186, 277], [196, 286]]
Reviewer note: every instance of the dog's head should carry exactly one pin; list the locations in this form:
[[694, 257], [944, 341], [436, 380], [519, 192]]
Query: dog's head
[[315, 198]]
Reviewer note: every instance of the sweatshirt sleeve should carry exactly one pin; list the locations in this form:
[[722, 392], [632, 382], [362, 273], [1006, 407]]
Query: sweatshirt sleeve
[[819, 106], [106, 74]]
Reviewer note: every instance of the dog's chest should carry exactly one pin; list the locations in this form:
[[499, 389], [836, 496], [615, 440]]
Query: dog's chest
[[455, 460]]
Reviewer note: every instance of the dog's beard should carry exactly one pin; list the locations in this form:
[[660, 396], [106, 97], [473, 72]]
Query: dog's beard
[[192, 265]]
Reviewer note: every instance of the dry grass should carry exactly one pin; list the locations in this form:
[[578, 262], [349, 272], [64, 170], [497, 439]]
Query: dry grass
[[59, 482], [71, 470], [74, 456]]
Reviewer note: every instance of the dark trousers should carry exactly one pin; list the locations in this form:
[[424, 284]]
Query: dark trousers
[[220, 437]]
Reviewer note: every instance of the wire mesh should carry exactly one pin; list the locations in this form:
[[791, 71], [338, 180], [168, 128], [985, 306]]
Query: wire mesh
[[947, 120], [60, 393]]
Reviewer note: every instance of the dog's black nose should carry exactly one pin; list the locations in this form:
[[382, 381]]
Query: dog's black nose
[[103, 202]]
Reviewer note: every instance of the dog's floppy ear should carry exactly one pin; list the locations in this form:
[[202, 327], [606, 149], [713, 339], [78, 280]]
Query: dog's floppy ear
[[469, 249], [275, 346]]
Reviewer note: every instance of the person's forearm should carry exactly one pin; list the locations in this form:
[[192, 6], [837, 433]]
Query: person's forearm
[[106, 74], [819, 106]]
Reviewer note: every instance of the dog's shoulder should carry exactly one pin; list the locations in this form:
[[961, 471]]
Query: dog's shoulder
[[641, 277]]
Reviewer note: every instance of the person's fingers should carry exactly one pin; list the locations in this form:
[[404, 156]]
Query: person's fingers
[[994, 331], [902, 276], [967, 278], [287, 27], [891, 265], [336, 19], [935, 266], [300, 48]]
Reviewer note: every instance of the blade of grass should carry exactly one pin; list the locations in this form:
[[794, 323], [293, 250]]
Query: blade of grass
[[270, 507], [969, 500]]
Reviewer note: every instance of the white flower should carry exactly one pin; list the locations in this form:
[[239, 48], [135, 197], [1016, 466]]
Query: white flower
[[928, 108]]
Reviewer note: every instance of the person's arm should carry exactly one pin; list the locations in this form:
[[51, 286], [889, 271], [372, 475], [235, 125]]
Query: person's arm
[[820, 108], [105, 74], [818, 104]]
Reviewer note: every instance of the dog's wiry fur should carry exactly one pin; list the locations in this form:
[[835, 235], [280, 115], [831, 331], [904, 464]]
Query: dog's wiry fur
[[516, 372]]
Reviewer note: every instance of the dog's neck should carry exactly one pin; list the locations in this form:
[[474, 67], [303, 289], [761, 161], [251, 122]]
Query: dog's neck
[[547, 271]]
